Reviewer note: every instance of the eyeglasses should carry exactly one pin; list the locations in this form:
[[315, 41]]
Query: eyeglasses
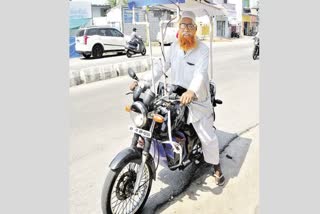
[[189, 26]]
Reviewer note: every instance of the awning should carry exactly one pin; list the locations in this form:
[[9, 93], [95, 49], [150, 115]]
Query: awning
[[77, 23], [199, 8]]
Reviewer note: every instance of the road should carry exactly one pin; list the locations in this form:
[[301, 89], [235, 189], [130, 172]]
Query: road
[[79, 63], [99, 123]]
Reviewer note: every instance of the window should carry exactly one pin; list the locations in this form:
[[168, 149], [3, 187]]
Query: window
[[108, 32], [225, 1], [80, 33], [102, 32], [116, 33], [220, 28], [91, 32], [103, 12]]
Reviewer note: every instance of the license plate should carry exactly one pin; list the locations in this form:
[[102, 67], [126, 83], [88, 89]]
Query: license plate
[[143, 133]]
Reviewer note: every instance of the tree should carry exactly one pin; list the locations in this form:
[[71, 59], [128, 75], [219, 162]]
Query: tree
[[114, 3]]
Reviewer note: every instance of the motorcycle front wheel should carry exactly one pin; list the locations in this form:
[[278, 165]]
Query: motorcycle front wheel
[[117, 194]]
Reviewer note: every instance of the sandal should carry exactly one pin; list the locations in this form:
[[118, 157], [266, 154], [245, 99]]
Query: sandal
[[219, 179]]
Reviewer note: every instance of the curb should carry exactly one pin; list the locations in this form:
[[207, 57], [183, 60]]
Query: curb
[[103, 72]]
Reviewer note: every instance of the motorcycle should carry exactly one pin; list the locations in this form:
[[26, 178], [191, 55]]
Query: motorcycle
[[256, 48], [135, 46], [160, 135], [235, 34]]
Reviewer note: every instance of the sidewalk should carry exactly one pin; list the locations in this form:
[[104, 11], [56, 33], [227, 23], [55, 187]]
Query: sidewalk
[[240, 195]]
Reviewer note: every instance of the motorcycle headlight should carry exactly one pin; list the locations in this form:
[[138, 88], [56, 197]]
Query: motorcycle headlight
[[138, 114]]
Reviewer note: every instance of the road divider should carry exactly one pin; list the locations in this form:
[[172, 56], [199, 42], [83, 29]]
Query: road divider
[[103, 72]]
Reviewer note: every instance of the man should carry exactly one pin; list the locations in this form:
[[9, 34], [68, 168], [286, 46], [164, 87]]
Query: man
[[134, 38], [188, 59]]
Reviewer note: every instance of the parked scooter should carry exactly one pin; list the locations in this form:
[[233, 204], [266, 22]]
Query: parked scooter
[[256, 48], [235, 34], [161, 135], [135, 46]]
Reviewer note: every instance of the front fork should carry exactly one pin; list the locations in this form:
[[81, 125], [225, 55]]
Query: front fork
[[145, 153]]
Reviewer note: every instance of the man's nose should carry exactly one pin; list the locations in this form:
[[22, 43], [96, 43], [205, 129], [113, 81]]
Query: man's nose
[[186, 29]]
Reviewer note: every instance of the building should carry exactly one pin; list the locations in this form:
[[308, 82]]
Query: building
[[250, 17], [85, 12], [120, 17], [224, 25]]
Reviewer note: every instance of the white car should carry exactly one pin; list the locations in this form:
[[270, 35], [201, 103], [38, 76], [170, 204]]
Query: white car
[[170, 36], [97, 40]]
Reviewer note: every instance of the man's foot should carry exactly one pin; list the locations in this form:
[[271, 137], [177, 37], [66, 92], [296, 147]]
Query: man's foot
[[219, 179], [218, 176]]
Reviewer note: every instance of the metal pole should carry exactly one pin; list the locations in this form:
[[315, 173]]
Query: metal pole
[[150, 49], [163, 58], [162, 46], [147, 24], [211, 49]]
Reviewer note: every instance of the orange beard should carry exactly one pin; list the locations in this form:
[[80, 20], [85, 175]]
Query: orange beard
[[187, 43]]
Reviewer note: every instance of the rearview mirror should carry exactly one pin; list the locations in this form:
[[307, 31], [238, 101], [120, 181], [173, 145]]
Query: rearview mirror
[[132, 74]]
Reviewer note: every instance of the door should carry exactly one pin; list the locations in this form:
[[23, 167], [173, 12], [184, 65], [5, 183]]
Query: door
[[79, 40], [118, 38], [105, 38], [221, 28]]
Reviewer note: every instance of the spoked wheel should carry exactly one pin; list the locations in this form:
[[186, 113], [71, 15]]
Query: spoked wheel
[[117, 193]]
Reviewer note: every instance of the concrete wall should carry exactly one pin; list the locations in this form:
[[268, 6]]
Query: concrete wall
[[238, 4], [97, 11]]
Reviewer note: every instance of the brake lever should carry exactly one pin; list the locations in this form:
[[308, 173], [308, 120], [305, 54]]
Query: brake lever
[[131, 92]]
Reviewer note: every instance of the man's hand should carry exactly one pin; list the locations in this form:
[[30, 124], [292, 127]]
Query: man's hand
[[187, 97], [133, 85]]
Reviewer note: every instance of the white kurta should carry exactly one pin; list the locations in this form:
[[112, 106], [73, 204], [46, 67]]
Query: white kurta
[[190, 71]]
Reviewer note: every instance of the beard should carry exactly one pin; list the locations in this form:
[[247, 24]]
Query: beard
[[187, 43]]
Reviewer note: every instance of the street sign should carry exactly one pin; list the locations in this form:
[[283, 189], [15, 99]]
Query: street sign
[[127, 16]]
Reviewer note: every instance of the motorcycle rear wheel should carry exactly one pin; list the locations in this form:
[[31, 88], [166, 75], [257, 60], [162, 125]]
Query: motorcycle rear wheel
[[255, 52], [129, 54], [144, 51], [117, 194]]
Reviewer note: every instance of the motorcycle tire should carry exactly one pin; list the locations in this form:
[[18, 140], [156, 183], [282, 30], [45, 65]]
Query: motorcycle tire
[[255, 52], [109, 183], [129, 55], [144, 52]]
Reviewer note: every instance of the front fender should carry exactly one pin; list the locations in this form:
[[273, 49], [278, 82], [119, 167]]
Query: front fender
[[128, 154]]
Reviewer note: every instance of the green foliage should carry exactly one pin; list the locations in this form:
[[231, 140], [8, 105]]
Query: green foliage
[[114, 3]]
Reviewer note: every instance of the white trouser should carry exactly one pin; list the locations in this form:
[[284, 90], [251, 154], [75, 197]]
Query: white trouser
[[208, 138]]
